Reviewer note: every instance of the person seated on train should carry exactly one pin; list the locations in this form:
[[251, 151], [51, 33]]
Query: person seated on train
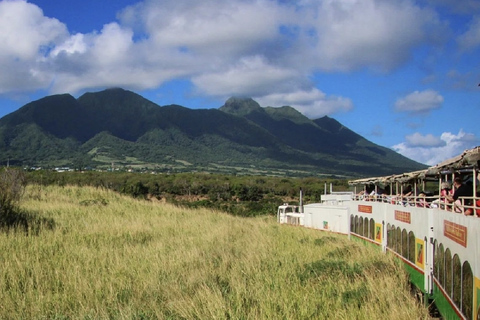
[[444, 192], [387, 194], [408, 195], [461, 190], [477, 204], [369, 192], [476, 207], [422, 201], [377, 194]]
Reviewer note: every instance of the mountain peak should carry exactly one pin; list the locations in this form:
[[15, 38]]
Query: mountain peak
[[240, 106], [287, 112]]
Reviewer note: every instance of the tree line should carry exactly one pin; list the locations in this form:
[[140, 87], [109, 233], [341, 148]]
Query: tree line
[[238, 195]]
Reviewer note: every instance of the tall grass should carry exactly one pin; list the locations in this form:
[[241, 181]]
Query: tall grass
[[113, 257]]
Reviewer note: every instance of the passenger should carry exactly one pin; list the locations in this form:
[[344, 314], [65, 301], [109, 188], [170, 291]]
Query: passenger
[[477, 204], [476, 209], [422, 201], [387, 194], [369, 192], [408, 195], [446, 191], [461, 190]]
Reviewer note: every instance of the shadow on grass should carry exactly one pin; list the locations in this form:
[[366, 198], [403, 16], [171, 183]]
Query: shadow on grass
[[29, 222]]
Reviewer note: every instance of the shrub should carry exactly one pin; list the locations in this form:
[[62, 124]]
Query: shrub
[[12, 187]]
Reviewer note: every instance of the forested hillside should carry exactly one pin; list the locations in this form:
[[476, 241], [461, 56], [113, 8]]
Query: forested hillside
[[121, 127]]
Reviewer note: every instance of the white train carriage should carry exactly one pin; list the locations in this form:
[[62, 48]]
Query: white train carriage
[[440, 247]]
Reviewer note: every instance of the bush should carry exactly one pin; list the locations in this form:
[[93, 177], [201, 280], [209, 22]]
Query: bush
[[12, 187]]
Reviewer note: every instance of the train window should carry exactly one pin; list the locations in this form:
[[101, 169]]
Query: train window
[[352, 223], [356, 224], [371, 234], [411, 247], [360, 226], [398, 241], [448, 272], [467, 290], [404, 244], [457, 281], [441, 265], [389, 236]]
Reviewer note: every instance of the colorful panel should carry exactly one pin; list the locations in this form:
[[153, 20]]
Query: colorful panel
[[420, 253], [378, 232]]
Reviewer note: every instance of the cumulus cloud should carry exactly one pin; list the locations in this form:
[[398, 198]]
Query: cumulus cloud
[[26, 36], [471, 38], [419, 102], [431, 150], [260, 48], [419, 140], [313, 103], [351, 34]]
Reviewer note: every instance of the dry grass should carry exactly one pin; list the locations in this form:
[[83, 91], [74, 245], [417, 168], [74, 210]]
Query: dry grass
[[114, 257]]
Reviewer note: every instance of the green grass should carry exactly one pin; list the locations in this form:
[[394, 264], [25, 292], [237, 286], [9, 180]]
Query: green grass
[[113, 257]]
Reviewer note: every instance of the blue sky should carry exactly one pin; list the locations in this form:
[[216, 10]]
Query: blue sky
[[404, 74]]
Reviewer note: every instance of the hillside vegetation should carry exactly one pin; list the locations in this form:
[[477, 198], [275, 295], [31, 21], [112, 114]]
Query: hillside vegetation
[[109, 256], [238, 195]]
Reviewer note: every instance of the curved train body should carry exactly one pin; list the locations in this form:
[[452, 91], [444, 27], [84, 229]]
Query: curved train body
[[440, 247]]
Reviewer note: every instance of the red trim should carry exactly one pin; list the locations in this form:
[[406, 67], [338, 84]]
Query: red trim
[[366, 239]]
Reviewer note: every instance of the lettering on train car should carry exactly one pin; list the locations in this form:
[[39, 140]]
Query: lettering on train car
[[403, 216], [455, 232], [365, 209]]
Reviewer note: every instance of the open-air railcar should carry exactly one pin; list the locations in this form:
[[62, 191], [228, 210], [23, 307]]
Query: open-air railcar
[[439, 246]]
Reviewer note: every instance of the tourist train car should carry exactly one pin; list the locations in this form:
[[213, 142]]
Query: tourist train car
[[409, 216]]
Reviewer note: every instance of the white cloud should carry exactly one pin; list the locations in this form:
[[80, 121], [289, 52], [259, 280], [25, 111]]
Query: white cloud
[[312, 103], [351, 34], [419, 140], [431, 150], [260, 48], [250, 76], [24, 31], [26, 36], [471, 38], [419, 102], [211, 26]]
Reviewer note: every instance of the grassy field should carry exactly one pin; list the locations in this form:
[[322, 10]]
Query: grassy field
[[113, 257]]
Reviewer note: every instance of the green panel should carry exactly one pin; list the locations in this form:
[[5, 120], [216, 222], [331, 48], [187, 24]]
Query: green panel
[[416, 277], [443, 305]]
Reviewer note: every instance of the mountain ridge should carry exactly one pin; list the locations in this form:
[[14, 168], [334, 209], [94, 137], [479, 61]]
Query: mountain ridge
[[117, 125]]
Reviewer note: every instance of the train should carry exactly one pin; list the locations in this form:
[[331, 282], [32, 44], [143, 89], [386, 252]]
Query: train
[[410, 216]]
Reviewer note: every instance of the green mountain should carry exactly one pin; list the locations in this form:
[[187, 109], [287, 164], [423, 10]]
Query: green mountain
[[121, 127]]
